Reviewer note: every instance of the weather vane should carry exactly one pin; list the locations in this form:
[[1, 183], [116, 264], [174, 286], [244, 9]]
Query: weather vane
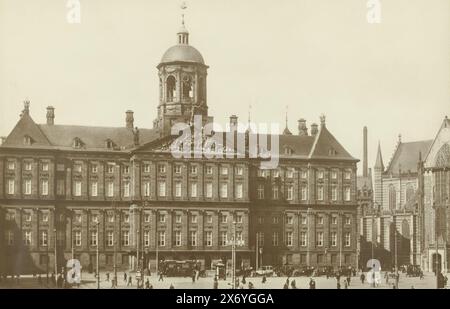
[[183, 7]]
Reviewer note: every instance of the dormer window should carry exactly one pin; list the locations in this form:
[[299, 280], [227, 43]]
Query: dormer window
[[288, 151], [27, 140], [332, 152], [109, 144], [77, 143]]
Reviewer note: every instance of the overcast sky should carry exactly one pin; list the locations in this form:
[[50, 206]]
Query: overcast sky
[[316, 56]]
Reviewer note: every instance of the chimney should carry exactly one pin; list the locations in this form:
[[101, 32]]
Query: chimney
[[50, 115], [129, 119], [302, 129], [136, 136], [365, 168], [314, 129], [233, 122], [2, 140]]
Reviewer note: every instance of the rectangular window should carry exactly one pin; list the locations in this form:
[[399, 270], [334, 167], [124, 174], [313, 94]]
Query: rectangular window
[[303, 239], [347, 239], [261, 220], [290, 173], [275, 192], [239, 219], [126, 189], [60, 187], [209, 189], [27, 217], [126, 169], [110, 239], [110, 168], [304, 174], [78, 218], [27, 187], [223, 238], [177, 218], [125, 238], [224, 170], [320, 174], [111, 218], [334, 220], [209, 239], [319, 239], [146, 168], [320, 193], [77, 167], [43, 241], [177, 238], [239, 190], [276, 173], [193, 189], [162, 188], [319, 220], [77, 191], [11, 189], [289, 220], [304, 193], [45, 217], [162, 218], [146, 218], [333, 193], [348, 220], [27, 166], [194, 218], [290, 193], [146, 188], [209, 219], [275, 239], [260, 191], [193, 169], [223, 190], [333, 174], [94, 188], [347, 196], [11, 165], [178, 189], [9, 237], [77, 239], [209, 170], [260, 236], [161, 238], [289, 239], [177, 169], [146, 238], [347, 174], [224, 218], [193, 238], [126, 218], [45, 167], [110, 186], [93, 238], [275, 220], [333, 239], [161, 168], [94, 168], [239, 171]]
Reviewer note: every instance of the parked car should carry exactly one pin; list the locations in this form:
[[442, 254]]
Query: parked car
[[303, 271], [265, 270]]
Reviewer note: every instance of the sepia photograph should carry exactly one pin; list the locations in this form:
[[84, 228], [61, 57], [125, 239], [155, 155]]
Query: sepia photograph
[[224, 145]]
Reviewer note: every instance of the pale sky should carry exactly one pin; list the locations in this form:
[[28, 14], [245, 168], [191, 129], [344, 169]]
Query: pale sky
[[316, 56]]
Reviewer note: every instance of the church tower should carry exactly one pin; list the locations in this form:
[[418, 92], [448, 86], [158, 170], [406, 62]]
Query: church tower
[[182, 85], [378, 178]]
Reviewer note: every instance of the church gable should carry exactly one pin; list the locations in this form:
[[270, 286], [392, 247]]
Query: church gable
[[439, 153]]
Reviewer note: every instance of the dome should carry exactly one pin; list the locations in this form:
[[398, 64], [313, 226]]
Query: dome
[[182, 53]]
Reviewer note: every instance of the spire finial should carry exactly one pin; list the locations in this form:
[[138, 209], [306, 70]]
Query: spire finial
[[287, 109], [183, 7]]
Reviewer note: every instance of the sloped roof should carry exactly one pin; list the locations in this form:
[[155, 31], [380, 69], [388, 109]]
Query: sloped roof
[[326, 146], [406, 156], [62, 136], [379, 162]]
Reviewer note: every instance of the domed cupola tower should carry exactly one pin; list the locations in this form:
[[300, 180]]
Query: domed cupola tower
[[182, 85]]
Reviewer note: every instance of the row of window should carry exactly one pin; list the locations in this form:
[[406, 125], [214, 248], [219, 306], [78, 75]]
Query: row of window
[[125, 238], [289, 240], [27, 188], [304, 192], [27, 166], [304, 220], [303, 173]]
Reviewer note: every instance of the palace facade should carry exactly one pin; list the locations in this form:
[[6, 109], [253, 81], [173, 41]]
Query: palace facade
[[67, 191]]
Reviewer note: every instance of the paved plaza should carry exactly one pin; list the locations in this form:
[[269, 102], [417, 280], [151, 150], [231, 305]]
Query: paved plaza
[[89, 282]]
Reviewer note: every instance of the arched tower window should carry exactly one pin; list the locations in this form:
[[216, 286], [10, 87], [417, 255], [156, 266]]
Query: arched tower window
[[392, 197], [188, 92], [171, 89]]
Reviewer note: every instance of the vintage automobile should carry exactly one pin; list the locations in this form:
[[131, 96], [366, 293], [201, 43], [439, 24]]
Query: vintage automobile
[[265, 271], [303, 271]]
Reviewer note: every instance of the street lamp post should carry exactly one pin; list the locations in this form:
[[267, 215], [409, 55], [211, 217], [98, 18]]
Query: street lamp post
[[98, 259], [56, 252]]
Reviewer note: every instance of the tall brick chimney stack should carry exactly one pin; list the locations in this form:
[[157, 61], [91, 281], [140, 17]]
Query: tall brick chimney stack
[[129, 119], [50, 115]]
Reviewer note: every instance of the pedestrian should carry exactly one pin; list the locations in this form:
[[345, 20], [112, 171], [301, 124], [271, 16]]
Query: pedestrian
[[363, 277], [293, 284], [171, 286], [216, 283], [125, 277], [130, 281], [287, 281], [264, 279], [250, 285], [243, 280], [285, 286], [312, 284], [147, 284], [386, 276], [345, 284], [349, 279], [193, 277], [39, 279], [338, 285], [161, 276]]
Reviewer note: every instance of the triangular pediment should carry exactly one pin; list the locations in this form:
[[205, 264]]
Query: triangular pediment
[[26, 130]]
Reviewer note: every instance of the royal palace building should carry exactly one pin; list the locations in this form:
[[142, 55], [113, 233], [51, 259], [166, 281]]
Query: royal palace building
[[70, 191]]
